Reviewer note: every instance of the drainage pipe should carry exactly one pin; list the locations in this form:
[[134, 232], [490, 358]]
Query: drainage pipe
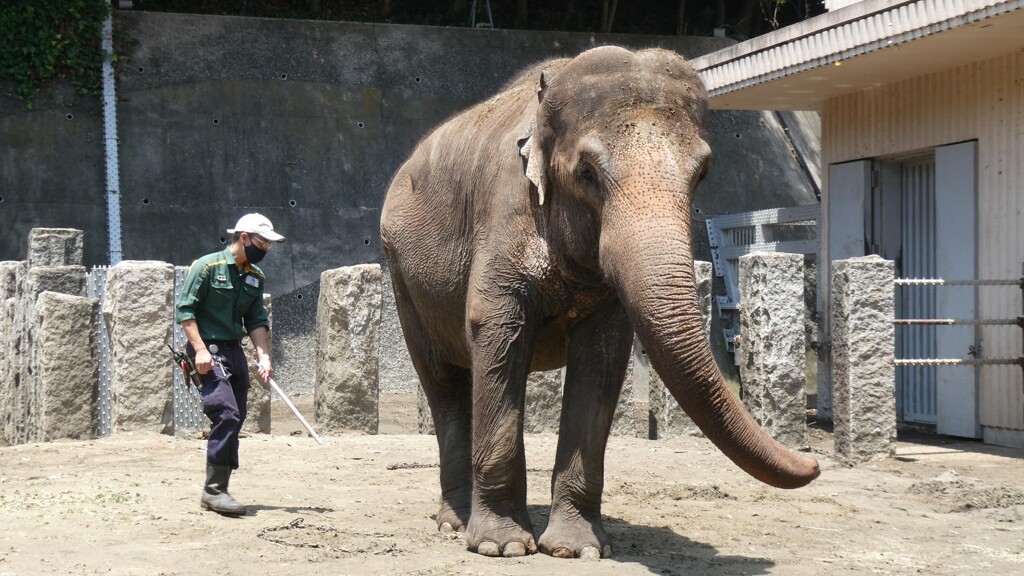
[[110, 151]]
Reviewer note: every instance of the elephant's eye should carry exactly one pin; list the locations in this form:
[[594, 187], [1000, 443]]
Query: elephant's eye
[[587, 174]]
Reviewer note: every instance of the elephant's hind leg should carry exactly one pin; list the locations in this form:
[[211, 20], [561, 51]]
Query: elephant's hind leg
[[598, 354], [449, 393]]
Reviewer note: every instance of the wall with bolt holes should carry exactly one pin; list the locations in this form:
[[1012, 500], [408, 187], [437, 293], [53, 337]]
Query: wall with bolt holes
[[305, 122]]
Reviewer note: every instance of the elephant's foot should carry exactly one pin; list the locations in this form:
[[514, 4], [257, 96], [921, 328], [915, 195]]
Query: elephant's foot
[[492, 535], [451, 519], [573, 536]]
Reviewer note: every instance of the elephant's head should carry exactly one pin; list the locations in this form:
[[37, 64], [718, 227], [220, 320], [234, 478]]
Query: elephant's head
[[615, 153]]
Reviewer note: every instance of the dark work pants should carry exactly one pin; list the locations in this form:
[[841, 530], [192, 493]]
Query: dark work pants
[[225, 394]]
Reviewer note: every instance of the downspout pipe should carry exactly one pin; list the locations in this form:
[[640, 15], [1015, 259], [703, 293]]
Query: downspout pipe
[[110, 151]]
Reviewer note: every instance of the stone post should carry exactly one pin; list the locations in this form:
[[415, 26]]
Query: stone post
[[631, 413], [11, 274], [138, 312], [667, 419], [543, 402], [863, 355], [543, 411], [259, 398], [69, 279], [55, 247], [773, 350], [345, 396], [66, 370], [53, 265]]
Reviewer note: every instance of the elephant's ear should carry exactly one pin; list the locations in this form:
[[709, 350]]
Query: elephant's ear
[[530, 148]]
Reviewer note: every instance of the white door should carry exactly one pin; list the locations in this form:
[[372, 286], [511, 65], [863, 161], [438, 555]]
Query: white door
[[848, 190], [956, 222]]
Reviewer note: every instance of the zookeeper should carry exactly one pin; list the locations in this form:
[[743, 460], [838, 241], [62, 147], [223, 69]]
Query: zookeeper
[[221, 301]]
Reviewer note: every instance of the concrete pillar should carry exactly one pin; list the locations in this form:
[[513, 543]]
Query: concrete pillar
[[863, 353], [667, 419], [259, 398], [347, 337], [138, 312], [55, 247], [772, 347], [66, 371]]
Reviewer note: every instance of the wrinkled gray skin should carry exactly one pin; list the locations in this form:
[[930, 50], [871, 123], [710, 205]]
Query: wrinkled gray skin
[[538, 229]]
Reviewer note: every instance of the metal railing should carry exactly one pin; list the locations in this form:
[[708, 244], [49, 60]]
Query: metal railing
[[790, 230], [1018, 321]]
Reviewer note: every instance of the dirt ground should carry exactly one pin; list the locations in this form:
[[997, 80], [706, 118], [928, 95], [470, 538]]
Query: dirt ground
[[129, 504]]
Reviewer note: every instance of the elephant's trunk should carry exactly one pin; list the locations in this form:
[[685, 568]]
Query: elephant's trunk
[[652, 268]]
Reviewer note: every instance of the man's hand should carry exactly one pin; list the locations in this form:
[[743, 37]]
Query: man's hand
[[264, 371], [204, 361]]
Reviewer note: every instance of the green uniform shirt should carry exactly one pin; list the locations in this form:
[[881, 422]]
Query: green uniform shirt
[[226, 303]]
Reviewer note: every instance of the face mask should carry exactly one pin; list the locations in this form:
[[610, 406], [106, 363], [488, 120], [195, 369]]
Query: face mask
[[254, 254]]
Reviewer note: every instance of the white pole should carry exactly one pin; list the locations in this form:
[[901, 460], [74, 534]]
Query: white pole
[[294, 410]]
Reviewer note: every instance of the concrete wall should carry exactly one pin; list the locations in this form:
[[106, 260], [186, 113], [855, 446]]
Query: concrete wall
[[305, 122]]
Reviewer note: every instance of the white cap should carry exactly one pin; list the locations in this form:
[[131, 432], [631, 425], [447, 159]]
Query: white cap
[[257, 224]]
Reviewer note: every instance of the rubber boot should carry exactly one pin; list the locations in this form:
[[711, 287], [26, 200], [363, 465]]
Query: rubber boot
[[215, 494]]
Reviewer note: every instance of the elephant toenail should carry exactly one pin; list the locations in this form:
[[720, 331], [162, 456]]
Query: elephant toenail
[[606, 551], [562, 553], [447, 528], [488, 549], [590, 553], [514, 549]]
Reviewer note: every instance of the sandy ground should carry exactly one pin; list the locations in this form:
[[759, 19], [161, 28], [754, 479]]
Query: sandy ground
[[128, 504]]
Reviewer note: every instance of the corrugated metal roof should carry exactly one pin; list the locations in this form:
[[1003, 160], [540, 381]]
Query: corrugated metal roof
[[852, 32]]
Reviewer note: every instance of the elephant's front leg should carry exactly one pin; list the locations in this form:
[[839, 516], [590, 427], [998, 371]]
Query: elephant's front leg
[[502, 341], [598, 354]]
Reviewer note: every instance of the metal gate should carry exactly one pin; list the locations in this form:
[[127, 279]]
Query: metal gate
[[915, 385]]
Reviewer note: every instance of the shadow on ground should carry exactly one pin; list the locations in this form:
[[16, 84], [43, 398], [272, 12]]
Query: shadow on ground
[[663, 551]]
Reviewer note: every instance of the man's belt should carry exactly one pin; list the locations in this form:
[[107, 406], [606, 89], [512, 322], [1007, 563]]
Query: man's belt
[[215, 346]]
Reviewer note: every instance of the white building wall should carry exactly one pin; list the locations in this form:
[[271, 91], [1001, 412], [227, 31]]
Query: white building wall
[[984, 102], [833, 5]]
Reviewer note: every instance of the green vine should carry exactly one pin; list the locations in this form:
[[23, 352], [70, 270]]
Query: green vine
[[42, 41]]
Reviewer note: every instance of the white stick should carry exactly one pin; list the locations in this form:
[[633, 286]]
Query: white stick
[[295, 410]]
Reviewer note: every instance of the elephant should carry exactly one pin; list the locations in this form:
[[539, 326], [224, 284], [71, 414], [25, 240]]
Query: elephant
[[542, 228]]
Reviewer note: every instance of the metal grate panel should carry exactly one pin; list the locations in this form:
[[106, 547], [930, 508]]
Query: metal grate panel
[[188, 405], [104, 417]]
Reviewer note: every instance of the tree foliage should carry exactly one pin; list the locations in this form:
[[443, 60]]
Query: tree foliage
[[45, 40], [738, 18]]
